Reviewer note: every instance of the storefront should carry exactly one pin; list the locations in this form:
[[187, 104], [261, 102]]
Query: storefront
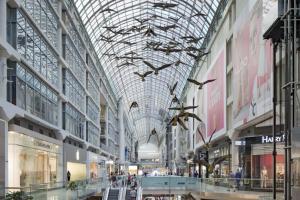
[[33, 160], [219, 156], [133, 169], [75, 162], [255, 155], [93, 168]]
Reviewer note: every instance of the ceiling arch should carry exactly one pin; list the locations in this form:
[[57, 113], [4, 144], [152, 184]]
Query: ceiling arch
[[152, 95]]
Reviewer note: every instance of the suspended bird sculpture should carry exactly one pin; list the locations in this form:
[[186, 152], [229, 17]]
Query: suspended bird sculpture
[[143, 76], [132, 53], [175, 100], [188, 196], [109, 54], [178, 62], [186, 116], [199, 14], [110, 27], [131, 58], [120, 32], [153, 133], [196, 57], [152, 45], [125, 64], [200, 84], [194, 49], [206, 144], [157, 69], [126, 42], [136, 29], [141, 21], [173, 43], [109, 10], [149, 32], [134, 104], [176, 119], [166, 28], [175, 19], [172, 88], [164, 5], [106, 39], [168, 50], [191, 39], [183, 108]]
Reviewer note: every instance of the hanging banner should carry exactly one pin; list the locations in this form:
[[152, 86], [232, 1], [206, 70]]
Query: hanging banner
[[252, 63], [215, 94]]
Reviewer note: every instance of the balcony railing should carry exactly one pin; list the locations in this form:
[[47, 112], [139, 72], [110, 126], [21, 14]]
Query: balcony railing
[[80, 189], [212, 187]]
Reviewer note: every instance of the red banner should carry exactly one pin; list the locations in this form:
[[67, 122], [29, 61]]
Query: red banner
[[216, 96]]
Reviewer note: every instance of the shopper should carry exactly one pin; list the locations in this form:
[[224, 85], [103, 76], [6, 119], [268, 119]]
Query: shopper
[[238, 177], [129, 179], [133, 194], [196, 174], [68, 176]]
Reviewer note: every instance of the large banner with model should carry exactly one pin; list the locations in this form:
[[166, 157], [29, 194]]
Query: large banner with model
[[252, 63], [216, 96], [211, 100]]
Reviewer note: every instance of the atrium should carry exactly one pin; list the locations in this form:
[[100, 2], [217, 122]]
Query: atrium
[[149, 99]]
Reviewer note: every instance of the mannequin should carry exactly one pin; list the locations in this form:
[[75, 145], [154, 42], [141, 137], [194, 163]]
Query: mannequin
[[264, 177]]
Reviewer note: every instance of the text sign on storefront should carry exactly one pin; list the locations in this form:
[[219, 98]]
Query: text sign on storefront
[[269, 139]]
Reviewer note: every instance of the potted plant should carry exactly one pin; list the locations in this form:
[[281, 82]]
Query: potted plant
[[72, 186], [19, 195]]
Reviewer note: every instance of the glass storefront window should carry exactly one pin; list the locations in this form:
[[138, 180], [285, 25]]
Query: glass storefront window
[[32, 161]]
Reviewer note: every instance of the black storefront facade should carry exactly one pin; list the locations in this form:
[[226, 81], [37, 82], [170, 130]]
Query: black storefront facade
[[255, 155]]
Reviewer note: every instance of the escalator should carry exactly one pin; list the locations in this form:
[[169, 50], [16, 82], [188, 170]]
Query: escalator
[[127, 195], [113, 194]]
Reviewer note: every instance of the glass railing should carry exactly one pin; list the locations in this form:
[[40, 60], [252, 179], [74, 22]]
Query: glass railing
[[254, 188], [59, 190]]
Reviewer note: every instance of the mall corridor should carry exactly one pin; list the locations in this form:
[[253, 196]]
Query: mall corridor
[[149, 99]]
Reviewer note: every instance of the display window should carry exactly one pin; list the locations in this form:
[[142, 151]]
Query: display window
[[262, 166], [94, 170], [77, 171], [32, 161]]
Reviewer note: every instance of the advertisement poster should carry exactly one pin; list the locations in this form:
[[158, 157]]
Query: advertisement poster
[[252, 65], [216, 96], [201, 112]]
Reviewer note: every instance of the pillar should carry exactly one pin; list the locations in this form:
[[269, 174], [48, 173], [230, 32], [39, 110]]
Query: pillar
[[3, 67], [121, 132], [3, 156]]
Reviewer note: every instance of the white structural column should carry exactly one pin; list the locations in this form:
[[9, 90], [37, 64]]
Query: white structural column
[[234, 152], [3, 81], [3, 66], [122, 132], [59, 48]]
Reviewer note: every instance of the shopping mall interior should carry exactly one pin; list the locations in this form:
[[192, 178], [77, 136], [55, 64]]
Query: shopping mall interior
[[149, 99]]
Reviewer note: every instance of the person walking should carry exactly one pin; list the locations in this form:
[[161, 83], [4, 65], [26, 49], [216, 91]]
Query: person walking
[[68, 176], [238, 177]]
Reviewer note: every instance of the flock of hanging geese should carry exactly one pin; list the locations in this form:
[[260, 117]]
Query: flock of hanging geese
[[147, 30]]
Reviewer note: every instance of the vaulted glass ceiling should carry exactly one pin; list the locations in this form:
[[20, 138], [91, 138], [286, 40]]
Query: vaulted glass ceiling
[[118, 30]]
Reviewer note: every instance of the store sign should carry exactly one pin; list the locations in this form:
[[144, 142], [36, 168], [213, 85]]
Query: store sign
[[41, 144], [77, 155], [269, 139]]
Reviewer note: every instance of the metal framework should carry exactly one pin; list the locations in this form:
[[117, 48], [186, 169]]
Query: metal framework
[[153, 94]]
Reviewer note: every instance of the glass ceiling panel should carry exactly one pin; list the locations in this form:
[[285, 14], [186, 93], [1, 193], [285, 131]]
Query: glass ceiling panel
[[117, 28]]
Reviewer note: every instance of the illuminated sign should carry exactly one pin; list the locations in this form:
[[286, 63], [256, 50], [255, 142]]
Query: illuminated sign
[[77, 155], [269, 139]]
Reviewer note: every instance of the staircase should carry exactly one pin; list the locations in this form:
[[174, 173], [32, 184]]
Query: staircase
[[113, 194], [127, 196]]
